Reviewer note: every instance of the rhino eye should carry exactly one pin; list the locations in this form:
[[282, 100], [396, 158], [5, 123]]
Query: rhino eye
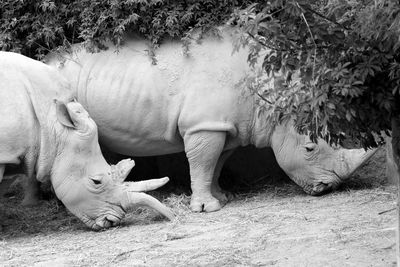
[[310, 147], [96, 181], [96, 184]]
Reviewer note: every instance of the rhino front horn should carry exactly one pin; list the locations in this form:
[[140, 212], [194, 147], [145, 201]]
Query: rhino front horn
[[135, 199], [352, 159]]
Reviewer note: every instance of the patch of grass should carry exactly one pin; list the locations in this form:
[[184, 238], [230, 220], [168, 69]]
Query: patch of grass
[[52, 216], [49, 216]]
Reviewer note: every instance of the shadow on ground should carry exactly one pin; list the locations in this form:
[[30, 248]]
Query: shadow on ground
[[249, 172]]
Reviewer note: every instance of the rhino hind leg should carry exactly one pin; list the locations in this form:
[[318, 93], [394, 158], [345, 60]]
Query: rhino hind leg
[[31, 192], [216, 190], [203, 150], [2, 168], [31, 187]]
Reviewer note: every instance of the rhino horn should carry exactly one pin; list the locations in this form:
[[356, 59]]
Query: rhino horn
[[134, 199], [147, 185], [352, 159], [122, 169]]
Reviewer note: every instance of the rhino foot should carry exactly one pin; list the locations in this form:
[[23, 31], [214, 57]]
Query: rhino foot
[[29, 202], [208, 205], [31, 192], [222, 196]]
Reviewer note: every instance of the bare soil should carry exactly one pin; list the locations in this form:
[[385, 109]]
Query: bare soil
[[276, 224]]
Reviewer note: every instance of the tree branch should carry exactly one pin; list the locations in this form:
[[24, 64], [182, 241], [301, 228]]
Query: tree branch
[[313, 69], [326, 18], [263, 98], [312, 38], [264, 44]]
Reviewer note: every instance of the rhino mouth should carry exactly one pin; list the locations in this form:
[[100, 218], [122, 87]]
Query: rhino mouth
[[321, 188], [106, 221]]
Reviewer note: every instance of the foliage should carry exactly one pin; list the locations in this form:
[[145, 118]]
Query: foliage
[[338, 62], [35, 27]]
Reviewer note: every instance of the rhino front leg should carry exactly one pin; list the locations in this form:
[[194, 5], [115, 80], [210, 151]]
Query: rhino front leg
[[203, 150], [216, 190]]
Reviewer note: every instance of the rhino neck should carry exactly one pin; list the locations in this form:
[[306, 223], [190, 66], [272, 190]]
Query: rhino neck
[[48, 150], [261, 129], [49, 145], [46, 146]]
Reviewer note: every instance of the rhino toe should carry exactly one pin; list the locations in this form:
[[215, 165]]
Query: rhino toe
[[223, 196], [208, 205], [212, 206]]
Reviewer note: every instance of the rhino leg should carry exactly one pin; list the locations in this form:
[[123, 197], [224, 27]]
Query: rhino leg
[[2, 168], [31, 186], [31, 192], [203, 150], [216, 190]]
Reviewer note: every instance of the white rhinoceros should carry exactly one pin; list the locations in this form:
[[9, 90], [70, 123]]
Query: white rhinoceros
[[193, 103], [57, 141]]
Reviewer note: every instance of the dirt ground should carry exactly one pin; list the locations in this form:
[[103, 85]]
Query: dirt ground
[[276, 225]]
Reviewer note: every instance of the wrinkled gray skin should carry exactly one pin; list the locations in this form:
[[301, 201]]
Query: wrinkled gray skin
[[193, 104], [58, 141]]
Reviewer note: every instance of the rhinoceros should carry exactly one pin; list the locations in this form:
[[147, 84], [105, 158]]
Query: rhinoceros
[[53, 138], [193, 102]]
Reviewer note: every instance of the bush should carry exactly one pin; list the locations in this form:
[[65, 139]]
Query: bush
[[339, 62], [33, 28]]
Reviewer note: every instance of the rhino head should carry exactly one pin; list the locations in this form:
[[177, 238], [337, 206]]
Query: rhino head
[[88, 186], [317, 167]]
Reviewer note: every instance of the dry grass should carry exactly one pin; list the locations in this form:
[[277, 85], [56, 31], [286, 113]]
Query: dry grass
[[278, 225], [51, 216], [265, 224]]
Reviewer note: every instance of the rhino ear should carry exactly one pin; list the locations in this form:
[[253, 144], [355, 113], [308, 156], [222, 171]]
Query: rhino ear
[[62, 114]]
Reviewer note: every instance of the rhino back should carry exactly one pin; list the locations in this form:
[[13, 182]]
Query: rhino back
[[27, 90], [143, 109]]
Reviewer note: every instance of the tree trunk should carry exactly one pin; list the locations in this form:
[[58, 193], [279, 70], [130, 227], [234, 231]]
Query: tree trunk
[[396, 157], [392, 174]]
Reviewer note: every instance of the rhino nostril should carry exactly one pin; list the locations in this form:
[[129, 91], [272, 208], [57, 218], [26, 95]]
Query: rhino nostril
[[107, 223], [113, 220], [103, 223], [116, 223]]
